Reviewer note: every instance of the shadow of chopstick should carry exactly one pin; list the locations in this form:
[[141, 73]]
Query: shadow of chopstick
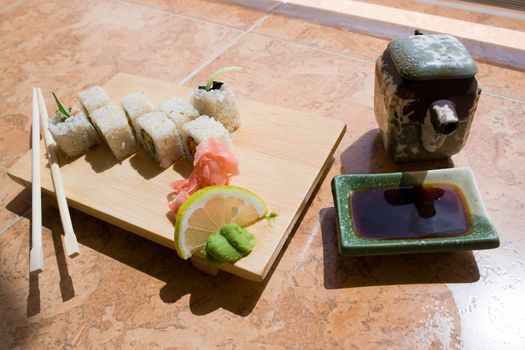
[[33, 299], [66, 283]]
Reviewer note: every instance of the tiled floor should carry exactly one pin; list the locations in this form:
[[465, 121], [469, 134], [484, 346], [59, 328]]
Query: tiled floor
[[124, 291]]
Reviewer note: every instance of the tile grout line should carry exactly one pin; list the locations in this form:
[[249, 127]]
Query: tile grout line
[[334, 53], [180, 15], [229, 46], [257, 24], [12, 222], [211, 59], [506, 97]]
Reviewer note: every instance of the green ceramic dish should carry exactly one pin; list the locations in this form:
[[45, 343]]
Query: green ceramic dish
[[480, 235]]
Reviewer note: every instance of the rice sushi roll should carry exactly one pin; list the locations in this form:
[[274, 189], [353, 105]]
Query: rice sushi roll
[[72, 131], [179, 111], [219, 103], [200, 130], [160, 137], [136, 105], [94, 98], [217, 100], [114, 128]]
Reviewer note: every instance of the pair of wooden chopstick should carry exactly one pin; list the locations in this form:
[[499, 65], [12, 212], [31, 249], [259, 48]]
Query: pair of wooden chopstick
[[36, 258]]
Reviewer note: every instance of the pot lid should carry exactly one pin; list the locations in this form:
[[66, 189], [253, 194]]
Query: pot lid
[[429, 57]]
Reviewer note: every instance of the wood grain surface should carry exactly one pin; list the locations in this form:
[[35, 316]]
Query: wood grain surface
[[282, 153]]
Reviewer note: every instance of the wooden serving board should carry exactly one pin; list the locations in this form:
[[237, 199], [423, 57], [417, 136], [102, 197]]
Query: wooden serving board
[[282, 155]]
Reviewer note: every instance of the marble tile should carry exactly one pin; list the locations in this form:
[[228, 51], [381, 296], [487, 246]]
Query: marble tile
[[123, 291], [501, 80], [16, 200], [332, 38], [233, 13], [494, 151], [298, 77], [14, 140], [345, 42], [90, 46], [7, 4]]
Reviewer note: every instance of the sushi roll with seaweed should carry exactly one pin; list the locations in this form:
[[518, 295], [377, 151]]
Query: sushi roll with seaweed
[[160, 137], [179, 111], [217, 100], [136, 105], [200, 130], [94, 98], [113, 126], [71, 130]]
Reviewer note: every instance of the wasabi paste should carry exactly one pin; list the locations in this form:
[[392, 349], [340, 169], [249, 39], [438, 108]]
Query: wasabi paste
[[231, 243]]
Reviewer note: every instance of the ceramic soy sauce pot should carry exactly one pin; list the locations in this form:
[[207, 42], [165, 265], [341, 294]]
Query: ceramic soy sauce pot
[[425, 97]]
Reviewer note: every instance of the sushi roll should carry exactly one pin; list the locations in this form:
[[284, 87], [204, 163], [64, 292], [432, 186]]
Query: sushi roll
[[201, 129], [94, 98], [216, 99], [160, 137], [179, 111], [72, 131], [114, 128], [218, 102], [136, 105]]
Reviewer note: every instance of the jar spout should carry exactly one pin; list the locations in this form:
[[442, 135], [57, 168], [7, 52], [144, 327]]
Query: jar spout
[[444, 117]]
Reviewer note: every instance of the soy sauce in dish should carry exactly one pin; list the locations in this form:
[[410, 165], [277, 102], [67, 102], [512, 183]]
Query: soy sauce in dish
[[429, 210]]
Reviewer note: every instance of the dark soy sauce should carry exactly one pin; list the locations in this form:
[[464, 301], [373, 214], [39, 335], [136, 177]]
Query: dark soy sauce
[[430, 210]]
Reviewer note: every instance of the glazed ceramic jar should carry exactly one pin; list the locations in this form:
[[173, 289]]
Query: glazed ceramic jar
[[425, 97]]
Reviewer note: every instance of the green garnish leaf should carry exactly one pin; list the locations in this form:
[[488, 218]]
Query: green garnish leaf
[[214, 76], [270, 217], [62, 113], [272, 214], [60, 116]]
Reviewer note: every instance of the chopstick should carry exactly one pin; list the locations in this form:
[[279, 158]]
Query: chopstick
[[70, 239], [36, 256]]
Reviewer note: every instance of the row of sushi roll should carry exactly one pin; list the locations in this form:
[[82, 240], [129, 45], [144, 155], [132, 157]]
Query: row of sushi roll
[[172, 130]]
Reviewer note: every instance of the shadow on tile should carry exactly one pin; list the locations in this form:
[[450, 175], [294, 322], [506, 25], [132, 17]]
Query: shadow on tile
[[230, 292], [207, 293], [21, 203], [367, 155], [66, 283], [33, 297], [349, 272]]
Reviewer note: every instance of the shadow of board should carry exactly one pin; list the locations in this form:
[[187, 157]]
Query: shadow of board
[[207, 293], [348, 272]]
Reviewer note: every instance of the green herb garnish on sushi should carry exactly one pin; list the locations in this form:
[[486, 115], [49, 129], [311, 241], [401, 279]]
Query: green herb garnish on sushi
[[72, 130], [62, 113], [217, 100], [216, 75]]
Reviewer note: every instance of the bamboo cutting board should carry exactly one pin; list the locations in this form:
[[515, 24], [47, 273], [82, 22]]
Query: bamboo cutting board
[[282, 155]]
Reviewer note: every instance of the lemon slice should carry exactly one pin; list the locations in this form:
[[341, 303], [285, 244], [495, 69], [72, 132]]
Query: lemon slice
[[208, 209]]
